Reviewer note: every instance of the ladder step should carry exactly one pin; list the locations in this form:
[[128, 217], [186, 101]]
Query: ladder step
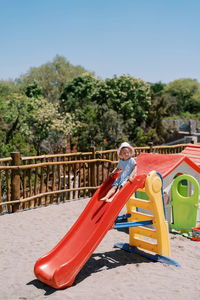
[[132, 224]]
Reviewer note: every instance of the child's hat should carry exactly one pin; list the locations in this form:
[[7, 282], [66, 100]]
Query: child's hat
[[125, 145]]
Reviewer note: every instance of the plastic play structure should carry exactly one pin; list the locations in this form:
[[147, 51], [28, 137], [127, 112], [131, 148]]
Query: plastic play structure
[[193, 152], [59, 267], [178, 172], [184, 202], [153, 214]]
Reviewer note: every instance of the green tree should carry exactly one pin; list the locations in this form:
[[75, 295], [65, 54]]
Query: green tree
[[33, 90], [194, 103], [181, 92], [88, 130], [10, 135], [144, 136], [79, 92], [157, 89], [29, 122], [111, 127], [7, 87], [128, 97], [160, 108], [52, 77]]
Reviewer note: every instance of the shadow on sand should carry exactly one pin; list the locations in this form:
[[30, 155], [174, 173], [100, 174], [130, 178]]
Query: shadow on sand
[[108, 260], [98, 262]]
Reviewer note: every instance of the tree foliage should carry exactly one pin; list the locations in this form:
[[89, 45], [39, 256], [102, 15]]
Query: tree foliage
[[50, 102], [160, 108], [185, 94], [33, 90], [126, 98], [52, 76], [28, 122]]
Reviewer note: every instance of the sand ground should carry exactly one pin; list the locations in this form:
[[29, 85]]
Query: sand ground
[[110, 273]]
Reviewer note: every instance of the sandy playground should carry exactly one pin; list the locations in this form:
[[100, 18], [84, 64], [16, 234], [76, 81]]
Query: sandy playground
[[110, 273]]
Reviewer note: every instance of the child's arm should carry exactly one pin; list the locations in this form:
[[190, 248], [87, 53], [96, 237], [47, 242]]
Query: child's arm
[[114, 171], [131, 177]]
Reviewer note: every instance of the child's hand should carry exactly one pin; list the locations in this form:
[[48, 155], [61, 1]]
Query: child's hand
[[131, 177], [113, 172]]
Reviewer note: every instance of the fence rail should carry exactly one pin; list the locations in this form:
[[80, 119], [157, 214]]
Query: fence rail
[[30, 182]]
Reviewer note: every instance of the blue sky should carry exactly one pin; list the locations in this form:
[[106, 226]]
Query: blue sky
[[155, 40]]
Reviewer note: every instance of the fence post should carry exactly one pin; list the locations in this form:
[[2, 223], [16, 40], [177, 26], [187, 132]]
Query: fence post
[[15, 181], [93, 168], [1, 207], [150, 147]]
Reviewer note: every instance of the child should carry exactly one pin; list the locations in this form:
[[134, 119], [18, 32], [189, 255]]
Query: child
[[128, 166]]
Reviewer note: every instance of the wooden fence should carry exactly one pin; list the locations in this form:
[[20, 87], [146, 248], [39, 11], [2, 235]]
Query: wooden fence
[[29, 182]]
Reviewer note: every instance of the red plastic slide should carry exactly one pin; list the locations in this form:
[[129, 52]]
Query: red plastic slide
[[59, 267]]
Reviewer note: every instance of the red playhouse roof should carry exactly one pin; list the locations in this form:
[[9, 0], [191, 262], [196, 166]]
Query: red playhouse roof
[[193, 152], [162, 163]]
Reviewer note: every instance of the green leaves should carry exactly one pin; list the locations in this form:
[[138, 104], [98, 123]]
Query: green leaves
[[33, 120], [185, 92], [48, 103], [126, 98], [51, 76]]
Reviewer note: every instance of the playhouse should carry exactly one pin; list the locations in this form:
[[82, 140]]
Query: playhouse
[[193, 152], [169, 166]]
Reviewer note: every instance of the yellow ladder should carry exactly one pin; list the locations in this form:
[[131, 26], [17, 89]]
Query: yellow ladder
[[154, 239], [160, 233]]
